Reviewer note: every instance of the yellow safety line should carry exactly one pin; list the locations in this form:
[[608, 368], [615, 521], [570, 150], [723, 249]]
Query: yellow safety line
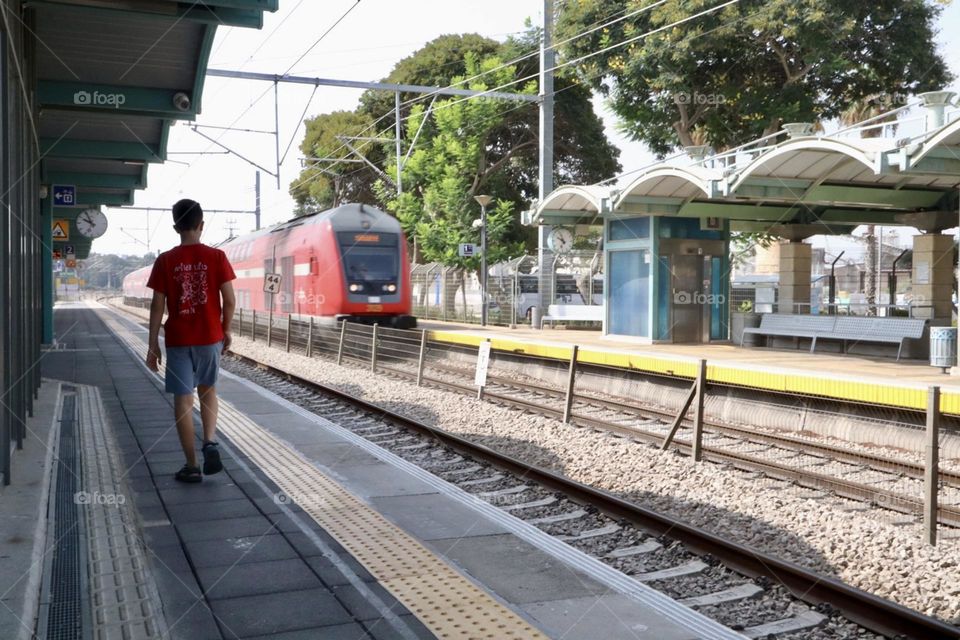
[[441, 598], [798, 383]]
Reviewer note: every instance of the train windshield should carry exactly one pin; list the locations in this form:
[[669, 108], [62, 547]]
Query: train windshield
[[370, 256]]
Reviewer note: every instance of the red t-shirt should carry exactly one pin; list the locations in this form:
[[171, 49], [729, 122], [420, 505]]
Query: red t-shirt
[[190, 277]]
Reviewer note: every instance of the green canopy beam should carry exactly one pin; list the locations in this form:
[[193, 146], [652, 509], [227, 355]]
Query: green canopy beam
[[215, 13], [101, 150], [99, 180], [115, 100]]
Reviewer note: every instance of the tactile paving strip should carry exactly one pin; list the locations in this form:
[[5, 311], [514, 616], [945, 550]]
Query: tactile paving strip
[[446, 602], [123, 596]]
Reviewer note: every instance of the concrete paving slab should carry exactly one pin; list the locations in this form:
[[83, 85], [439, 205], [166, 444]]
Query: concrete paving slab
[[378, 480], [278, 612], [515, 570], [430, 518], [215, 553], [231, 528], [336, 453], [351, 631], [609, 616], [257, 578], [23, 525], [211, 511]]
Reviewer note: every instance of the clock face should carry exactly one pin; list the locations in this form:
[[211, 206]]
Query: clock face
[[91, 223], [560, 240]]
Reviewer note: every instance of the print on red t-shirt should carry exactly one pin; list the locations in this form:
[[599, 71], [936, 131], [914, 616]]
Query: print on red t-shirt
[[190, 276]]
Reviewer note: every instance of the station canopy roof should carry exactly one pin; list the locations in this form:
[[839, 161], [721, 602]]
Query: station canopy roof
[[793, 185], [112, 77]]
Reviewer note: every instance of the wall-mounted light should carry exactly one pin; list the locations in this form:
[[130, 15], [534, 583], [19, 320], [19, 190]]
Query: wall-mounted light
[[43, 191]]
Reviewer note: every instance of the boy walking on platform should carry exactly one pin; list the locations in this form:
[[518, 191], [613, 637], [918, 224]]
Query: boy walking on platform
[[189, 280]]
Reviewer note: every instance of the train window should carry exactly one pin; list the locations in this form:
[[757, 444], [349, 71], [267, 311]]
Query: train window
[[313, 266]]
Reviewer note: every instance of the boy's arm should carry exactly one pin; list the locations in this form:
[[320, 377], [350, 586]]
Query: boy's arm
[[153, 343], [229, 305]]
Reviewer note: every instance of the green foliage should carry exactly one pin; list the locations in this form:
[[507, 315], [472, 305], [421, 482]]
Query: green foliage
[[322, 185], [739, 73], [743, 245], [506, 135], [444, 173]]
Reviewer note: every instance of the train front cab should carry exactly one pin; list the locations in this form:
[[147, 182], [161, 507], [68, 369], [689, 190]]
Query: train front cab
[[375, 280]]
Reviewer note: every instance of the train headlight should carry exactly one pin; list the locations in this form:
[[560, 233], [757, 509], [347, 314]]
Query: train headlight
[[390, 287], [355, 287]]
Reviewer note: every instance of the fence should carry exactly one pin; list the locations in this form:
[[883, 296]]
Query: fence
[[449, 293], [410, 353]]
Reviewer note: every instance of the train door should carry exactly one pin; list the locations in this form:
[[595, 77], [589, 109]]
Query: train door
[[286, 284]]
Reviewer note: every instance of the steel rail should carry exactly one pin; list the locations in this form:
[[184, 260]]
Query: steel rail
[[872, 612], [877, 462]]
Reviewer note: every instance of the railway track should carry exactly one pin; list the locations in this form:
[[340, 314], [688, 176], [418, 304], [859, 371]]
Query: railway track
[[880, 481], [780, 457], [752, 592]]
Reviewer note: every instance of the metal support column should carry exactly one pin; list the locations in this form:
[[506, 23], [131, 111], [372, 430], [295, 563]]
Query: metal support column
[[310, 338], [343, 335], [398, 128], [931, 472], [373, 347], [423, 353], [544, 258], [698, 411], [571, 378]]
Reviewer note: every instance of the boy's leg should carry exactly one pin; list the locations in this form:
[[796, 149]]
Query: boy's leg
[[209, 408], [183, 409]]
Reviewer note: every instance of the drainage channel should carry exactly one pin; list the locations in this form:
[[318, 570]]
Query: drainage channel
[[64, 612]]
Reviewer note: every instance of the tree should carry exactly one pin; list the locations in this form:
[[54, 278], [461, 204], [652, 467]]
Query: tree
[[324, 184], [458, 162], [740, 72]]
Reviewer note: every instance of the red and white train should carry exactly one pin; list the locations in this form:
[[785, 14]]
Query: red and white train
[[348, 263]]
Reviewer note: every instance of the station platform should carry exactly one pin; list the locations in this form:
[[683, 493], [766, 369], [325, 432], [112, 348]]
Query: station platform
[[855, 378], [309, 532]]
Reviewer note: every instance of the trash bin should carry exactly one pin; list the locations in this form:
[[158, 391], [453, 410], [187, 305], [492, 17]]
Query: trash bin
[[943, 347], [535, 322]]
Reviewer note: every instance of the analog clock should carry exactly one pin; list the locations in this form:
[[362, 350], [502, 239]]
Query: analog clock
[[560, 240], [91, 223]]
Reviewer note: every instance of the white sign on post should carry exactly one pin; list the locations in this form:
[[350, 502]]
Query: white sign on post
[[468, 250], [483, 361], [271, 282]]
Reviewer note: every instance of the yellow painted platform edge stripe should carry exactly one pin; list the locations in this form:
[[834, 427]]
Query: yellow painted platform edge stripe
[[850, 390]]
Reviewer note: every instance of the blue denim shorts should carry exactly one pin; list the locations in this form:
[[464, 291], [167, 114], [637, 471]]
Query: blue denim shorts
[[190, 367]]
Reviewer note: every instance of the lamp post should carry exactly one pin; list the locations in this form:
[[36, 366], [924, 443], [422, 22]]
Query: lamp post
[[483, 201]]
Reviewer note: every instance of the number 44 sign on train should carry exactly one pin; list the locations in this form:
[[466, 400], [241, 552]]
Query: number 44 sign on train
[[271, 282]]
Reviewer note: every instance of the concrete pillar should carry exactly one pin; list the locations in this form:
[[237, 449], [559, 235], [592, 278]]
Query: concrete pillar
[[795, 258], [933, 277]]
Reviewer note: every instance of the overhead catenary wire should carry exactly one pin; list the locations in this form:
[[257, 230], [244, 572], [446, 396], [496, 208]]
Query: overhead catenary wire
[[567, 63], [607, 180]]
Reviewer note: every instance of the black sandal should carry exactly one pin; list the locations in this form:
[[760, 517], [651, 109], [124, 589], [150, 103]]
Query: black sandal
[[211, 459], [189, 474]]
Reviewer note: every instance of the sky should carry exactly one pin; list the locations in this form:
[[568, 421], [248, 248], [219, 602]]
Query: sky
[[364, 46]]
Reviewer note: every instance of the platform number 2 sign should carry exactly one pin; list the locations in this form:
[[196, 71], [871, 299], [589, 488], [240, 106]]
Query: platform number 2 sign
[[271, 283]]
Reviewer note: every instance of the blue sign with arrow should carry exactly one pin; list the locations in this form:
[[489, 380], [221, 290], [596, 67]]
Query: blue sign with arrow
[[64, 195]]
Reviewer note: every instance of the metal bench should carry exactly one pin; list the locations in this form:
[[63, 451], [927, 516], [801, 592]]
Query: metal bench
[[789, 325], [888, 330], [574, 312]]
